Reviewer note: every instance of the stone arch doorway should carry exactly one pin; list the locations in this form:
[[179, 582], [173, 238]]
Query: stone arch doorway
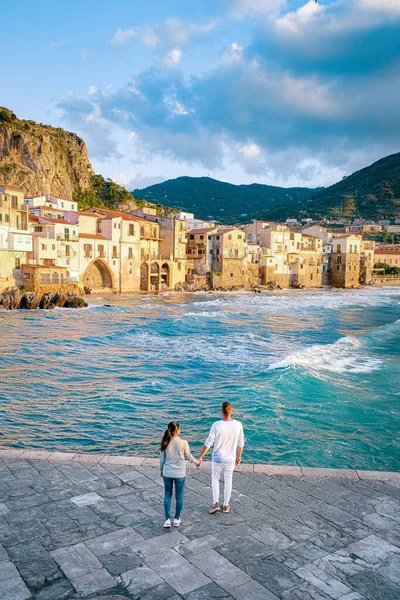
[[98, 276], [155, 277], [165, 275], [144, 277]]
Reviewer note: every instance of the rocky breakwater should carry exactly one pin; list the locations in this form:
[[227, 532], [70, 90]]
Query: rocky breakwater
[[15, 300]]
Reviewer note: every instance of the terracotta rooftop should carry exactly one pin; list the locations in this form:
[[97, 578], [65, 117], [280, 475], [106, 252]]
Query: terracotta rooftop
[[203, 230], [62, 198], [11, 187], [92, 236], [89, 214], [50, 220], [116, 214]]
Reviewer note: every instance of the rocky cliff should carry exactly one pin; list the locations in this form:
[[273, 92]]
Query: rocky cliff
[[42, 159]]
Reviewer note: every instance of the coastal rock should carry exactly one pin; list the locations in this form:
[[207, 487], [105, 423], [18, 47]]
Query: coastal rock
[[75, 302], [59, 300], [46, 301], [14, 300], [29, 301], [11, 299]]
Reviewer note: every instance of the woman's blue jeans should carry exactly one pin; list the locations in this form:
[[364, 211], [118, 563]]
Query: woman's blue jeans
[[179, 490]]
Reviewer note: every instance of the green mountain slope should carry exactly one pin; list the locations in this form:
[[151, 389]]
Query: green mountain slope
[[225, 202], [372, 193]]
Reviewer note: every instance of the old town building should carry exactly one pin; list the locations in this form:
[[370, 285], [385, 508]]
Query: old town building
[[345, 260], [15, 236]]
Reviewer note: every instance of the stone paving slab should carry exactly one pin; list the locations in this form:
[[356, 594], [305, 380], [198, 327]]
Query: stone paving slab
[[91, 526]]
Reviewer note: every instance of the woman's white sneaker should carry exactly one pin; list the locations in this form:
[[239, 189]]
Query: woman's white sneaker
[[177, 522], [167, 523]]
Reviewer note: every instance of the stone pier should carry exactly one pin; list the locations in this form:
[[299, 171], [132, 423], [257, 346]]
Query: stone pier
[[91, 526]]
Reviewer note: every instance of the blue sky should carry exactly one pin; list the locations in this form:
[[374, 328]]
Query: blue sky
[[270, 91]]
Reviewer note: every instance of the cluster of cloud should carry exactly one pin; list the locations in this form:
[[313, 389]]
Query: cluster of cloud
[[167, 37], [316, 91]]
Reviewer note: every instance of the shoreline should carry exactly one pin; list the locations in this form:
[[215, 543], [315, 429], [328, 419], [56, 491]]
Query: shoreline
[[263, 291], [391, 477]]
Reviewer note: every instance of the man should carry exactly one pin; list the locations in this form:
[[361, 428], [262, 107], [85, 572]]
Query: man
[[228, 439]]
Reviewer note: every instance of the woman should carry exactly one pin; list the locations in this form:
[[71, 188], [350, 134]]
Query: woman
[[173, 455]]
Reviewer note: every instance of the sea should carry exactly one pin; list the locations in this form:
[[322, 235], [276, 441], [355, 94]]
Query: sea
[[313, 375]]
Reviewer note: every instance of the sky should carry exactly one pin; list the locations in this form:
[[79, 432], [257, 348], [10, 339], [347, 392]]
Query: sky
[[287, 93]]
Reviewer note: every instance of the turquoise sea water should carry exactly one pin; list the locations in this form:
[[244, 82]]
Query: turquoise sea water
[[314, 375]]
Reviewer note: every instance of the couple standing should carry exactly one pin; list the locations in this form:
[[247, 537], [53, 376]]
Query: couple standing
[[228, 439]]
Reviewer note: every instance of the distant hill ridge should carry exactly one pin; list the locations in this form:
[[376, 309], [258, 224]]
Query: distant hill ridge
[[212, 199], [372, 193]]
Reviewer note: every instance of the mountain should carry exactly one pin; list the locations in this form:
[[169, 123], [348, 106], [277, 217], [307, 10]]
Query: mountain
[[41, 159], [372, 193], [225, 202]]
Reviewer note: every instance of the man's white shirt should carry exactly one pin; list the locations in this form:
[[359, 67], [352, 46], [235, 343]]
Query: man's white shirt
[[227, 437]]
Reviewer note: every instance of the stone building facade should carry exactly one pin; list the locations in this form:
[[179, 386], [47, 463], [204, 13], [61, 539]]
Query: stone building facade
[[345, 261]]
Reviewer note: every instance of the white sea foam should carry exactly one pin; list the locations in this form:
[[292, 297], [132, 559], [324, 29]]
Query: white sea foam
[[346, 355]]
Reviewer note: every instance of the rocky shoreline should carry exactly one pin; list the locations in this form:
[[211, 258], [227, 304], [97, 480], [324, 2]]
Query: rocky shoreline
[[15, 300]]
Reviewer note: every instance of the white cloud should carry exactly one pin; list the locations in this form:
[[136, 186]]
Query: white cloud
[[170, 33], [148, 36], [173, 57], [177, 31], [122, 37], [93, 90], [233, 53], [387, 6], [176, 108], [251, 151], [240, 9]]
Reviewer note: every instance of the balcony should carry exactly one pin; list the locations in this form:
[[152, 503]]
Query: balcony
[[71, 238]]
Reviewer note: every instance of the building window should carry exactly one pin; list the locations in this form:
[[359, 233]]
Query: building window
[[53, 246], [1, 217], [17, 263], [38, 229], [115, 252], [351, 247], [338, 268], [142, 232], [44, 247], [217, 237], [130, 252], [6, 218], [239, 237], [87, 248], [131, 229], [202, 237], [62, 204], [339, 248], [179, 266], [232, 274], [230, 238], [14, 202]]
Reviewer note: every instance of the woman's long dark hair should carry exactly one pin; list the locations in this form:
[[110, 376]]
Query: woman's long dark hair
[[172, 428]]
